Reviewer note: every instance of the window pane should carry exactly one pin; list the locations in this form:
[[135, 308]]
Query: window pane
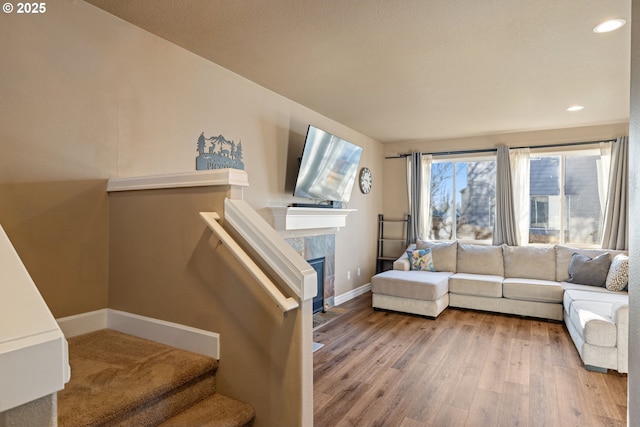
[[539, 212], [544, 189], [583, 214], [463, 198], [476, 195], [565, 200], [441, 201]]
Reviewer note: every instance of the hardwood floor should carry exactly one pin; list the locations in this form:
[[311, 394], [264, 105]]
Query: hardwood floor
[[465, 368]]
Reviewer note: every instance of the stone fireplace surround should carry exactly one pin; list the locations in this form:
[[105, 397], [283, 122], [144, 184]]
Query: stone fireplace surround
[[311, 233], [321, 246]]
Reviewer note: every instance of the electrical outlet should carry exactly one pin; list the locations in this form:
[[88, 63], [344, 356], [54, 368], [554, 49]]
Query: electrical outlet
[[358, 271], [349, 275]]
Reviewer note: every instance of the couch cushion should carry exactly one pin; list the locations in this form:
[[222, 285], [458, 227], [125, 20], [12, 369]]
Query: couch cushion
[[476, 284], [589, 271], [593, 322], [590, 293], [530, 262], [564, 254], [444, 254], [479, 259], [593, 289], [532, 290], [423, 285]]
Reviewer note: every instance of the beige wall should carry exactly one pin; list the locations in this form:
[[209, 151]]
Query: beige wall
[[60, 231], [86, 96], [166, 264]]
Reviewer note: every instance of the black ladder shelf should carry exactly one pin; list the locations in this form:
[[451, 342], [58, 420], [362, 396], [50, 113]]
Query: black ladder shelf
[[386, 255]]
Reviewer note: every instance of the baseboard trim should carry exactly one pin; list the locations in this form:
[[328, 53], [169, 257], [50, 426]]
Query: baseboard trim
[[83, 323], [341, 299], [173, 334]]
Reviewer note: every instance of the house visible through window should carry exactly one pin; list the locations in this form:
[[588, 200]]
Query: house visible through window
[[566, 200]]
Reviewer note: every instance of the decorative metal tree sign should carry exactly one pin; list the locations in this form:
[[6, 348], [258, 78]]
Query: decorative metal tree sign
[[221, 154]]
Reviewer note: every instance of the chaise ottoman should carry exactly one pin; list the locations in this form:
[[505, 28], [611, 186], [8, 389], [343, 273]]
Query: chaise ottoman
[[418, 292]]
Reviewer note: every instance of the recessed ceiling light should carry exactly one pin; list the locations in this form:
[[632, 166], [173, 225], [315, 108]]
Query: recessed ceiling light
[[575, 108], [611, 25]]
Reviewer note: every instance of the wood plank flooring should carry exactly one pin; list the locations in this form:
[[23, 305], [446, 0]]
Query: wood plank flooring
[[465, 368]]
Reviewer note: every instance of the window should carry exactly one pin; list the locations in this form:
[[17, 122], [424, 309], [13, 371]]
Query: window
[[567, 203], [539, 212], [463, 195]]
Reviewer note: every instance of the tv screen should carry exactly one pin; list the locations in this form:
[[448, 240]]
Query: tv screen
[[328, 167]]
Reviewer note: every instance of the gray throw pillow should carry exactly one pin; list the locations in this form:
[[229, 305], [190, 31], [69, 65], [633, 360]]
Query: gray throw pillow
[[587, 271]]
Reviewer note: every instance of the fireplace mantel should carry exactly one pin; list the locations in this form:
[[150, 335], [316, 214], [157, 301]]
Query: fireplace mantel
[[297, 218]]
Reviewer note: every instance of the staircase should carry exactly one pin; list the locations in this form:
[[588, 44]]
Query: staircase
[[121, 380]]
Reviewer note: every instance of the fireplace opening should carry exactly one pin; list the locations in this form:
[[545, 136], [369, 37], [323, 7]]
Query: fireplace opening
[[318, 300]]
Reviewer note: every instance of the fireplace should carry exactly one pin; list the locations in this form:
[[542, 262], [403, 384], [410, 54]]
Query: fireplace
[[318, 300], [312, 248]]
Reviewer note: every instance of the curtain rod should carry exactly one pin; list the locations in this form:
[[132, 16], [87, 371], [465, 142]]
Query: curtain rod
[[489, 150]]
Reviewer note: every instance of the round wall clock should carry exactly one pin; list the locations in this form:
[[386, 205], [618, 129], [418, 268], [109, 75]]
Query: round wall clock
[[365, 180]]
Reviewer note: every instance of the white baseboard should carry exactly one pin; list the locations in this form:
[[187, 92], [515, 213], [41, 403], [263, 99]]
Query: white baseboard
[[83, 323], [341, 299], [173, 334]]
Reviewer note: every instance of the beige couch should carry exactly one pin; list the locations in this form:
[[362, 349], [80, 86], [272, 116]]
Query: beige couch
[[524, 280]]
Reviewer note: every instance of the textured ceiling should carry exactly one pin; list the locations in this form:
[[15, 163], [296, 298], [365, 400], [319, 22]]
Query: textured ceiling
[[409, 70]]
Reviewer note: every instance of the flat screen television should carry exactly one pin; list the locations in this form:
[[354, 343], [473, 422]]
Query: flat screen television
[[328, 167]]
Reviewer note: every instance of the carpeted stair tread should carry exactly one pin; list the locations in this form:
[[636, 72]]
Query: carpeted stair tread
[[119, 379], [215, 411]]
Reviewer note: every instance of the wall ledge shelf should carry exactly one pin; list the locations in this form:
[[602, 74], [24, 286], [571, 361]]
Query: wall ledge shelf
[[226, 177], [297, 218]]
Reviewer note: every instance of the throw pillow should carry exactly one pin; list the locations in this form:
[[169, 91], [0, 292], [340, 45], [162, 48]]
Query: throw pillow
[[421, 260], [589, 271], [618, 273]]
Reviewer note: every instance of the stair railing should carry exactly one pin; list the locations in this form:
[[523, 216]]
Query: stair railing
[[269, 245], [285, 304]]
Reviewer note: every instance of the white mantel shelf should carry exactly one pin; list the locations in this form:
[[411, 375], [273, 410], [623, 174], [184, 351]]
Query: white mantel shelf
[[228, 177], [292, 218]]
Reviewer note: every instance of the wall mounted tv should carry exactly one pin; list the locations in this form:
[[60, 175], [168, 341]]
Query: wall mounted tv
[[328, 168]]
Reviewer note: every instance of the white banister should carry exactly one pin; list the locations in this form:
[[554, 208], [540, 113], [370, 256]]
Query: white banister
[[285, 304], [272, 248]]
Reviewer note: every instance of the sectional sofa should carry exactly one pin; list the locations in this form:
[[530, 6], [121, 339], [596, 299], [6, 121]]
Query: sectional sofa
[[585, 288]]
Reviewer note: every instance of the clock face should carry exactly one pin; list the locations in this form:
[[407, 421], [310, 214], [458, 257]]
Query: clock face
[[366, 180]]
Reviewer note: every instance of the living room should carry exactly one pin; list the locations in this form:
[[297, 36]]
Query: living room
[[88, 97]]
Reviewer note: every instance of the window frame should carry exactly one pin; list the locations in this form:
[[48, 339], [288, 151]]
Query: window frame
[[462, 158], [563, 153]]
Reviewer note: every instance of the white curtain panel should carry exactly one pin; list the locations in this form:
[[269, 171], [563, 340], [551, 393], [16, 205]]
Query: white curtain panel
[[425, 217], [519, 159], [419, 193], [603, 165]]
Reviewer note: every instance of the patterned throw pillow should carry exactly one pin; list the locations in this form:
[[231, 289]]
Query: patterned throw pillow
[[421, 260], [618, 273]]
